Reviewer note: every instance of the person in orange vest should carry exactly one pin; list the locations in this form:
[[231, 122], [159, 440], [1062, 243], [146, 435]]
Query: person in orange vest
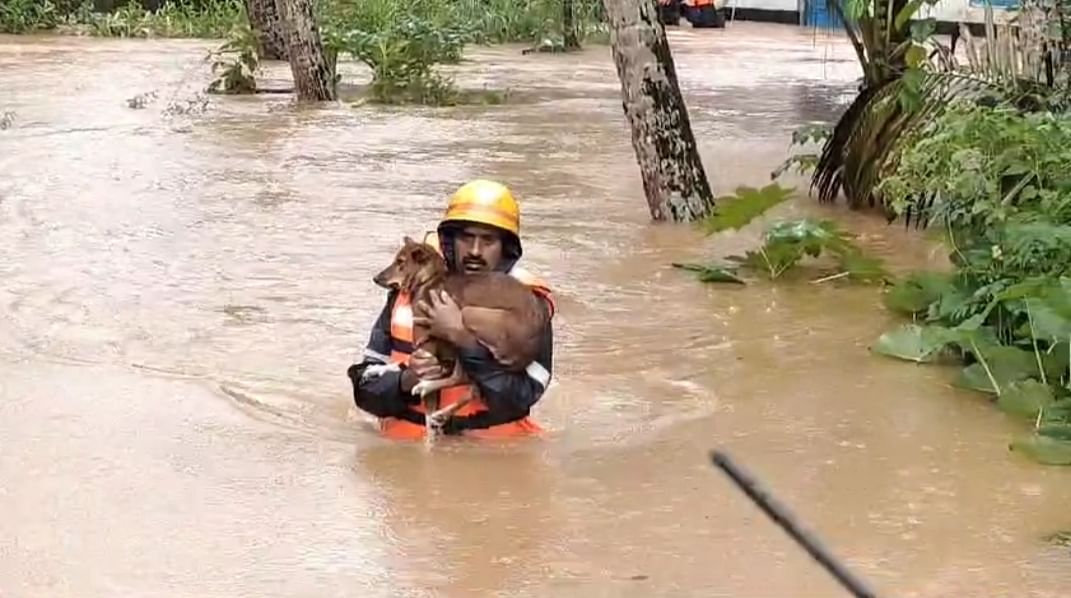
[[704, 14], [479, 232]]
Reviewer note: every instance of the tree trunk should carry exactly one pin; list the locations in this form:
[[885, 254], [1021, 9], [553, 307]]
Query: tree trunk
[[570, 39], [266, 21], [673, 177], [314, 79]]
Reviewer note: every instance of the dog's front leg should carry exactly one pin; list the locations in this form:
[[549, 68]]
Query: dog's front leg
[[437, 419], [426, 387]]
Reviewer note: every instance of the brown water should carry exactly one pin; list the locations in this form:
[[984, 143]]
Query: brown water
[[182, 294]]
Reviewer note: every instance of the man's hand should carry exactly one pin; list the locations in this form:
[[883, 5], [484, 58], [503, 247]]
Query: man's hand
[[425, 365], [443, 319], [421, 365]]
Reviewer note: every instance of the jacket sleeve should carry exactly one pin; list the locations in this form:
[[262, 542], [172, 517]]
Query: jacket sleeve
[[381, 396], [509, 395]]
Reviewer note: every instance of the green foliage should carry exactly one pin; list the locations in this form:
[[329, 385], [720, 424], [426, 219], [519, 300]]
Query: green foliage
[[401, 43], [807, 161], [785, 244], [209, 19], [238, 74], [910, 78], [738, 210], [997, 181], [24, 16]]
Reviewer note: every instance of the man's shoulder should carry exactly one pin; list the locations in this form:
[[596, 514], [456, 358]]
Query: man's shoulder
[[537, 284], [528, 277]]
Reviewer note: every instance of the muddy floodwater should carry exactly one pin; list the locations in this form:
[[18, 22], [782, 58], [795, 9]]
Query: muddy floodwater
[[181, 294]]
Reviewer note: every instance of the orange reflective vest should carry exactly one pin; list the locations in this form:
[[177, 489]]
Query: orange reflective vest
[[401, 332]]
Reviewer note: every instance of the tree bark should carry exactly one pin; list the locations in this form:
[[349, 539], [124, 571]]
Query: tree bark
[[266, 21], [673, 177], [570, 39], [314, 77]]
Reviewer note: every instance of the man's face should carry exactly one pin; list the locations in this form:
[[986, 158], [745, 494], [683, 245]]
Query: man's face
[[477, 248]]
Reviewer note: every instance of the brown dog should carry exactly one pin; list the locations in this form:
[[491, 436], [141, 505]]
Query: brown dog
[[500, 311]]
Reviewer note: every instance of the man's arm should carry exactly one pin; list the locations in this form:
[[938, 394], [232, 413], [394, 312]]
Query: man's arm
[[381, 396], [509, 395]]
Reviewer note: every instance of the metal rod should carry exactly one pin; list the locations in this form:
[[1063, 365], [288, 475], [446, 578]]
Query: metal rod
[[783, 518]]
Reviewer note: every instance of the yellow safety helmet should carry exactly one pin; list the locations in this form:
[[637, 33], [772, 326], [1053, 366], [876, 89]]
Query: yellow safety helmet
[[485, 202]]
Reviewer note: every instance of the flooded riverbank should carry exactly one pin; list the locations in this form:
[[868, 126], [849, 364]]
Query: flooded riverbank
[[182, 295]]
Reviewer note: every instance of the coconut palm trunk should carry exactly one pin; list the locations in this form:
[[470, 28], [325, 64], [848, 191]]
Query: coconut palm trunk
[[314, 76], [266, 21], [674, 180]]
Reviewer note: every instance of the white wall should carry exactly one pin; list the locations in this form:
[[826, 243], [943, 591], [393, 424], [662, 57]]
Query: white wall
[[952, 11], [955, 11], [789, 5]]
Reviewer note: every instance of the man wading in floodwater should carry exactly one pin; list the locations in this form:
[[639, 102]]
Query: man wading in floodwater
[[480, 232]]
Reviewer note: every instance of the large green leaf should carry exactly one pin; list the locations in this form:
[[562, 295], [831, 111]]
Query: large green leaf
[[917, 292], [1056, 361], [1059, 431], [1025, 398], [912, 342], [1044, 449], [1006, 364], [737, 211], [974, 377]]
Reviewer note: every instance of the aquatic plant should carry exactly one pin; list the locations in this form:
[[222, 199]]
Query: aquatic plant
[[785, 243]]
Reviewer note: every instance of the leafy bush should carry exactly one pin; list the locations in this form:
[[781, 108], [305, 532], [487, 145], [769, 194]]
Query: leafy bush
[[237, 75], [997, 182], [401, 43], [213, 19], [24, 16]]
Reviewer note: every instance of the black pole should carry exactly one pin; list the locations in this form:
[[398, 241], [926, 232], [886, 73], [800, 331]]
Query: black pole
[[783, 518]]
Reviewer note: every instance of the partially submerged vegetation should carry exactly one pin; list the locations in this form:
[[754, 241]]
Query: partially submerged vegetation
[[174, 19], [401, 42], [979, 154]]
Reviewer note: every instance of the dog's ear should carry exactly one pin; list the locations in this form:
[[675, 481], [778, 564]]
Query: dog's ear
[[421, 257], [408, 240]]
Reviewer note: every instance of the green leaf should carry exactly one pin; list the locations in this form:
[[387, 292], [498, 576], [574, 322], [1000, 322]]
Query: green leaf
[[863, 267], [1006, 364], [737, 211], [1044, 449], [1055, 431], [917, 292], [973, 377], [1051, 312], [912, 342], [711, 273], [1025, 398], [1056, 361], [915, 56]]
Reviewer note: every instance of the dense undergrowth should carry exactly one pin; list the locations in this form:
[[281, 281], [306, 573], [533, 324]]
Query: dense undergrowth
[[174, 19], [468, 21]]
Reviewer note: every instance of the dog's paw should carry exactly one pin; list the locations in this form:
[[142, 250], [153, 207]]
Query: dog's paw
[[375, 371], [436, 421], [422, 388]]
